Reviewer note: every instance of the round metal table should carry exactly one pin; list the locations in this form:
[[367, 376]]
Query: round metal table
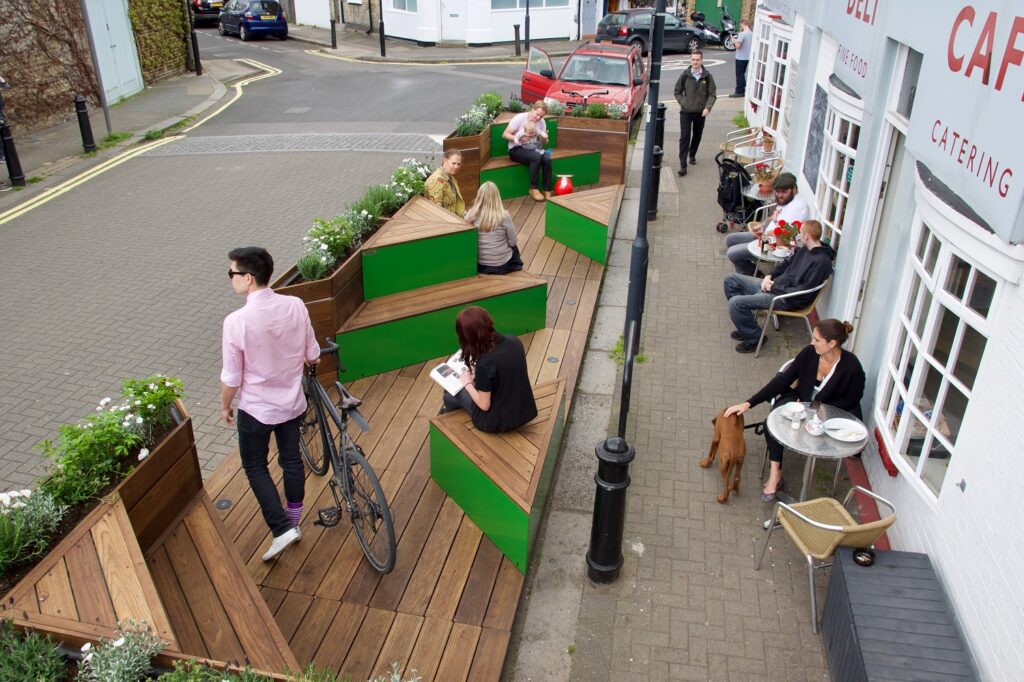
[[811, 447], [753, 191], [760, 256], [752, 152]]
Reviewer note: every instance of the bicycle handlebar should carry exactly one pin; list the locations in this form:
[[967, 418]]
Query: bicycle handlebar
[[332, 348]]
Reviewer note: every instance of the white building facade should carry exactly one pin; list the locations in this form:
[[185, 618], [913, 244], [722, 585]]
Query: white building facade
[[901, 121]]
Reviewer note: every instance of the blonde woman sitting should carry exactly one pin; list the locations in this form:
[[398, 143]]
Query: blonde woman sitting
[[497, 252]]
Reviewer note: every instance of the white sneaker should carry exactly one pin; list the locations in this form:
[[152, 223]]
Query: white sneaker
[[281, 542]]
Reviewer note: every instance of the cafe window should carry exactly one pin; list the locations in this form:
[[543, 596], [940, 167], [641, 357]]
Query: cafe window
[[760, 54], [835, 175], [404, 5], [935, 351], [778, 65]]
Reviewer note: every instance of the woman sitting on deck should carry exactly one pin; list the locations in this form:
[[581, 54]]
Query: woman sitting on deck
[[496, 388], [442, 188], [497, 251]]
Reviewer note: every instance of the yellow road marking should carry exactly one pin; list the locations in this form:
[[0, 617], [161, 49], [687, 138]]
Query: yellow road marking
[[352, 60], [68, 185]]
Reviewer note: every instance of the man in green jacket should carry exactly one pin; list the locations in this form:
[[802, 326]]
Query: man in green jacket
[[695, 92]]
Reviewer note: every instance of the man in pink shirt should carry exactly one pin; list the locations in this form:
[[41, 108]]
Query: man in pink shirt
[[265, 346]]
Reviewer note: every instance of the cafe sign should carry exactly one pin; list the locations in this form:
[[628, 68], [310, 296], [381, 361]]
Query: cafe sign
[[857, 26]]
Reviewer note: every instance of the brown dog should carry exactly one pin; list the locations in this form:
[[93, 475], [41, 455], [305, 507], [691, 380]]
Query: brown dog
[[730, 447]]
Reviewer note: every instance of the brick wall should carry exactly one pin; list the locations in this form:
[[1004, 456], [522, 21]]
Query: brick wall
[[974, 537], [160, 28], [358, 16], [46, 59]]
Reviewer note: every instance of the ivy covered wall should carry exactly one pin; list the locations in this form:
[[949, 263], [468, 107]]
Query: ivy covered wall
[[160, 28]]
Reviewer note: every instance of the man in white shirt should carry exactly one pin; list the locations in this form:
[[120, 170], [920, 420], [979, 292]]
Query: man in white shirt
[[788, 206]]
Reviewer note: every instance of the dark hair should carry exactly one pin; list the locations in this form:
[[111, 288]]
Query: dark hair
[[449, 153], [255, 260], [698, 51], [476, 333], [834, 330]]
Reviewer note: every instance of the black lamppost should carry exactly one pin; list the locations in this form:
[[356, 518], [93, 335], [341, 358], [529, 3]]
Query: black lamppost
[[527, 26]]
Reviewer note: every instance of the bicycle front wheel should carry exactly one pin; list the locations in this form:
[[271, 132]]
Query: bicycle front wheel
[[369, 512], [313, 439]]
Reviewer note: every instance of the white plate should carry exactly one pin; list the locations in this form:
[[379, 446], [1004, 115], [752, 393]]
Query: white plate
[[845, 430], [783, 253]]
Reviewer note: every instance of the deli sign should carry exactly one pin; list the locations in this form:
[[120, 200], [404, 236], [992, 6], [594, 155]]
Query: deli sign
[[964, 124], [857, 26]]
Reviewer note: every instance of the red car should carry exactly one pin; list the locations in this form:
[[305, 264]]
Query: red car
[[595, 72]]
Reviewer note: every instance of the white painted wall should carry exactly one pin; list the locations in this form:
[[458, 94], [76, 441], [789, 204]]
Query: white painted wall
[[313, 13]]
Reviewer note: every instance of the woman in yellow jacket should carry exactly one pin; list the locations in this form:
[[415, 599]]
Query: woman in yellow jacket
[[442, 188]]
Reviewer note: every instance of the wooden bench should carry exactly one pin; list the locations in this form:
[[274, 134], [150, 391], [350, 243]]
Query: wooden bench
[[584, 221], [413, 326], [513, 179], [501, 480]]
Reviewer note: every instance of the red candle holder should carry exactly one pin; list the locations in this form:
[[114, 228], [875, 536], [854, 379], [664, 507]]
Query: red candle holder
[[564, 185]]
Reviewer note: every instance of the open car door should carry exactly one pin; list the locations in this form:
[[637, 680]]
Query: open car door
[[538, 76]]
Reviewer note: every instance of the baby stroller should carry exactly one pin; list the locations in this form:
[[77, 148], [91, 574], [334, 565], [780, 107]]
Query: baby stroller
[[733, 178]]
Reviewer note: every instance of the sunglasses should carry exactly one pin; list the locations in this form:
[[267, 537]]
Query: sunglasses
[[232, 273]]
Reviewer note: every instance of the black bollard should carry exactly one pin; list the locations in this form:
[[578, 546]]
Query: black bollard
[[196, 62], [334, 34], [88, 143], [515, 27], [652, 206], [659, 125], [14, 171], [604, 560], [383, 53]]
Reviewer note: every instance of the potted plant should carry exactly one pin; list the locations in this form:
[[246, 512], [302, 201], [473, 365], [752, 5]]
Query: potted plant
[[785, 233], [764, 175], [767, 143]]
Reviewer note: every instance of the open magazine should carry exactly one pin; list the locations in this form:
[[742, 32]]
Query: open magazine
[[448, 372]]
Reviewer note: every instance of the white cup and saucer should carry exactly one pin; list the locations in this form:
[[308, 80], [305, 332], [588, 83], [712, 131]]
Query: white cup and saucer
[[794, 411], [782, 252]]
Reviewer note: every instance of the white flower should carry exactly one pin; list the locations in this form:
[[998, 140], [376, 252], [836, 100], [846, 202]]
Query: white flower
[[17, 505], [26, 493], [143, 454], [151, 387], [323, 246], [138, 402], [117, 642], [168, 384], [86, 646], [99, 409], [104, 402], [14, 493], [87, 657], [138, 419], [5, 499], [151, 406]]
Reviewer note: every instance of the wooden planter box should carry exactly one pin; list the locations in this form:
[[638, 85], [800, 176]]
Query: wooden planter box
[[475, 149], [608, 136], [104, 571], [330, 301]]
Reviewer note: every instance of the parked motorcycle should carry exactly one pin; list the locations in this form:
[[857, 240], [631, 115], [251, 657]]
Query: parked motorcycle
[[713, 35]]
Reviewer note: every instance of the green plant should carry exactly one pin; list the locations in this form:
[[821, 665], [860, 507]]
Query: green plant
[[618, 353], [515, 105], [28, 657], [571, 649], [473, 121], [34, 179], [114, 138], [579, 112], [556, 108], [740, 121], [395, 675], [27, 521], [412, 173], [617, 111], [125, 659], [333, 237], [152, 135], [381, 200], [313, 266], [492, 102], [597, 110]]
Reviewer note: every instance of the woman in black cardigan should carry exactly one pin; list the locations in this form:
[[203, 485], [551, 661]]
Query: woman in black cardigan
[[823, 371]]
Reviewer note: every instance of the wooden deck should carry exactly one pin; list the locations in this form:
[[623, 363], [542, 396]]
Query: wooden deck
[[447, 608]]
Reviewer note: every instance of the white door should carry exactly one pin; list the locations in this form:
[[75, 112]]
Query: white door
[[117, 60], [588, 18], [453, 20]]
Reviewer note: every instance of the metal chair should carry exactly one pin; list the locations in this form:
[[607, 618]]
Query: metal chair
[[802, 312], [818, 527], [771, 406]]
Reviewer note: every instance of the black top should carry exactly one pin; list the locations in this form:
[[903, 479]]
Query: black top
[[844, 389], [502, 372], [805, 269]]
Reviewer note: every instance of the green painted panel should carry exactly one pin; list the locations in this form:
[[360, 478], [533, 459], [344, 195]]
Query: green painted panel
[[404, 342], [495, 514], [514, 181], [499, 145], [547, 473], [422, 263], [577, 232]]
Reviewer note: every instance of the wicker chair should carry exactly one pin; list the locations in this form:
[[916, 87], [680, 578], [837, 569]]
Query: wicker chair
[[818, 527], [774, 313]]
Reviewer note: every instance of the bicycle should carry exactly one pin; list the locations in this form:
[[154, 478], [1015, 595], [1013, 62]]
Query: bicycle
[[353, 477]]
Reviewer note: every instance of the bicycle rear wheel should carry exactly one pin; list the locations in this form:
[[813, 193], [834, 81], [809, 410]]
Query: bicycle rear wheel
[[369, 512], [314, 442]]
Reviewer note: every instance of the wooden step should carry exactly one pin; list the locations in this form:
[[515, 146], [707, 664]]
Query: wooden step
[[423, 209], [501, 480], [513, 179], [413, 326], [407, 254], [585, 221]]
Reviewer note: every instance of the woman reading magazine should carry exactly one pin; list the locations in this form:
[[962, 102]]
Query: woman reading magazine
[[496, 386]]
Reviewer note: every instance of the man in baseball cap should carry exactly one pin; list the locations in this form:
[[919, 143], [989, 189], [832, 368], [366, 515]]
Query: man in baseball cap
[[789, 206]]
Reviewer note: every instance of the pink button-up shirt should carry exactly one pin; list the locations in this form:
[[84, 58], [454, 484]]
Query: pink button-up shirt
[[264, 347]]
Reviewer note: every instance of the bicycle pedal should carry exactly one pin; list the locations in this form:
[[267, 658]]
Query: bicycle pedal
[[328, 517]]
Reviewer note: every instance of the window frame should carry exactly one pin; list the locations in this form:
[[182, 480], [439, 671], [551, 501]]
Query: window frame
[[761, 58], [777, 74], [840, 108]]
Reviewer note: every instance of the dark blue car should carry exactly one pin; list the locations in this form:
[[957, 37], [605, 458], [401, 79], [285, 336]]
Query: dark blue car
[[251, 18]]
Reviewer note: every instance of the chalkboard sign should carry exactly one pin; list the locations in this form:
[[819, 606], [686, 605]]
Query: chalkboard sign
[[815, 137]]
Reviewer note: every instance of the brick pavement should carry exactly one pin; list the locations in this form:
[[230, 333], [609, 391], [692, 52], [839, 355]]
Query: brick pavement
[[689, 605], [124, 276]]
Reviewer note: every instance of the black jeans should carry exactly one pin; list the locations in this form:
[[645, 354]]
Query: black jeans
[[689, 141], [537, 160], [254, 445], [460, 401], [741, 76], [513, 264]]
